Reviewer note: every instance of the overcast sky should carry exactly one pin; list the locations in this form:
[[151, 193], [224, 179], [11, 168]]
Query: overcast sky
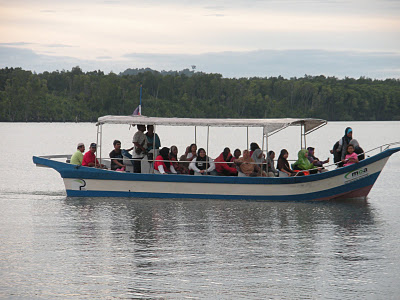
[[235, 38]]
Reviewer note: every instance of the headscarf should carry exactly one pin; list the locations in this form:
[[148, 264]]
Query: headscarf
[[164, 154], [302, 162], [256, 154], [226, 154], [346, 138]]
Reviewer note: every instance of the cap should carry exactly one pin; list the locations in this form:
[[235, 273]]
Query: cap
[[80, 145], [310, 148], [93, 145]]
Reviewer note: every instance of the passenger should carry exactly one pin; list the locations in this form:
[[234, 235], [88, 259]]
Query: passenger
[[272, 172], [173, 156], [117, 161], [357, 149], [90, 160], [303, 163], [258, 156], [344, 141], [253, 147], [184, 162], [283, 164], [314, 160], [351, 156], [246, 165], [151, 136], [236, 155], [222, 167], [162, 164], [192, 152], [202, 164], [139, 150], [77, 157]]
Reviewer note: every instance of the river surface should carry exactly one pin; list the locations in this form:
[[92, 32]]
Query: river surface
[[55, 247]]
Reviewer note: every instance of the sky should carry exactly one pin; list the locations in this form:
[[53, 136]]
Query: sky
[[237, 38]]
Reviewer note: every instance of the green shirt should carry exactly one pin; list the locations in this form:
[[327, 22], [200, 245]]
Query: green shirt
[[77, 158]]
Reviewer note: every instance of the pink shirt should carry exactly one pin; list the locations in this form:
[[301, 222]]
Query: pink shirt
[[353, 155]]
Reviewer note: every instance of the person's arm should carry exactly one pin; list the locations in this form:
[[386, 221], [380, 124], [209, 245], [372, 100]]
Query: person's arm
[[192, 166], [171, 167], [161, 169], [212, 165], [118, 163]]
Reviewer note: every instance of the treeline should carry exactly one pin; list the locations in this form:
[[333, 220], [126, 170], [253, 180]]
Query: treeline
[[78, 96]]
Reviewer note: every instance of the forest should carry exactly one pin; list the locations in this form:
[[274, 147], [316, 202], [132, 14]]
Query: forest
[[77, 96]]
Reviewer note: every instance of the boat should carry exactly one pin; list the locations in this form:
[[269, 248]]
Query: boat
[[352, 181]]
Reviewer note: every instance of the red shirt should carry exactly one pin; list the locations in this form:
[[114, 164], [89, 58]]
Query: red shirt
[[222, 165], [89, 157], [160, 163]]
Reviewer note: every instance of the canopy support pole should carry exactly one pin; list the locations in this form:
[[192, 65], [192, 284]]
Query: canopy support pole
[[195, 135], [247, 147], [266, 152], [207, 154], [154, 148], [97, 142]]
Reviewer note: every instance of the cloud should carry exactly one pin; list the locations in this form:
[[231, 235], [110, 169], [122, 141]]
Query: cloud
[[261, 63], [16, 44], [57, 45], [49, 11]]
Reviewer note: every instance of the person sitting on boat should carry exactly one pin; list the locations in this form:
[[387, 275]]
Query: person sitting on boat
[[222, 167], [236, 155], [302, 163], [173, 156], [314, 160], [162, 164], [202, 164], [192, 154], [152, 137], [357, 149], [90, 160], [253, 147], [247, 165], [184, 162], [77, 157], [139, 140], [259, 157], [117, 161], [272, 172], [351, 157], [283, 164]]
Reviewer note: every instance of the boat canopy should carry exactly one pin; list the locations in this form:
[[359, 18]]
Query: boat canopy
[[270, 126]]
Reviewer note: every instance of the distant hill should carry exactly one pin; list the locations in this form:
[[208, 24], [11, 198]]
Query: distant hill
[[137, 71]]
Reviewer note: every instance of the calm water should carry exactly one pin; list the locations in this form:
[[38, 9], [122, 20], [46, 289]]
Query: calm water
[[54, 247]]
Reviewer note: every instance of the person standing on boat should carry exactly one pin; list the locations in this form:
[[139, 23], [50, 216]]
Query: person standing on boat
[[162, 163], [202, 164], [344, 141], [90, 160], [222, 167], [77, 157], [283, 164], [152, 137], [139, 140], [116, 157]]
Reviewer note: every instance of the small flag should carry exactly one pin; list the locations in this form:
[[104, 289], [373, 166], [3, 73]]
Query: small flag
[[136, 112]]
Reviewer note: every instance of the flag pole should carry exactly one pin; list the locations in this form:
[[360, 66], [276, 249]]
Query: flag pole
[[140, 103]]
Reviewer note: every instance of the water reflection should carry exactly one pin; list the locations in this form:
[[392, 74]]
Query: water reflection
[[172, 247]]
